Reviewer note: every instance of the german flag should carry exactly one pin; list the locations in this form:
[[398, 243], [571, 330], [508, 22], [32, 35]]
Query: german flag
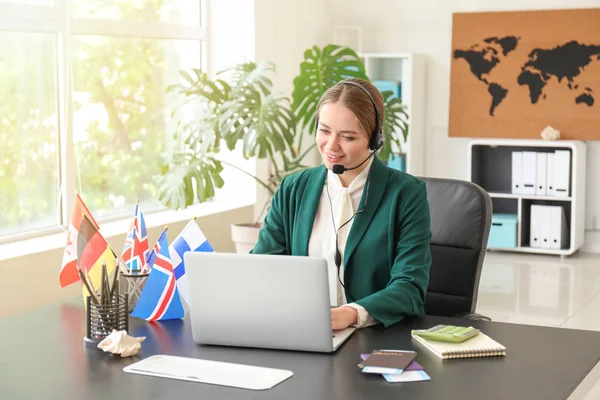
[[92, 251]]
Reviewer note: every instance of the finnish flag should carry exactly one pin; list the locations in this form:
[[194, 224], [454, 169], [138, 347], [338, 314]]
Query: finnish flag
[[191, 238]]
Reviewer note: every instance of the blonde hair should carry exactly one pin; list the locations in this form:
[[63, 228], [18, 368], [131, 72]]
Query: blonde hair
[[356, 101]]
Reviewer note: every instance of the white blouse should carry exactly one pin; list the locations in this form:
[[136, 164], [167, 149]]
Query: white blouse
[[344, 203]]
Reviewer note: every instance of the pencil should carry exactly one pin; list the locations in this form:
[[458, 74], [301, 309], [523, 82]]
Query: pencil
[[87, 286], [103, 283], [115, 279], [87, 277]]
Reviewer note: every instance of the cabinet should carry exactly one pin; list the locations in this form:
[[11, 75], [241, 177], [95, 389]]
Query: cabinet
[[491, 167], [409, 70]]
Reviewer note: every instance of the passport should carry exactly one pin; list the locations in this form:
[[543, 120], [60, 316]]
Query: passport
[[413, 366], [387, 361]]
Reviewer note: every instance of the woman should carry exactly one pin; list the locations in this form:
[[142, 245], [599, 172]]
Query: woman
[[371, 223]]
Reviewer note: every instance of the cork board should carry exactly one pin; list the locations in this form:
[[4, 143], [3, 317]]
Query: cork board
[[514, 73]]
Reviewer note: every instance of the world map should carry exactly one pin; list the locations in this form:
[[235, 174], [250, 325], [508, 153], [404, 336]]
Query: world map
[[564, 62]]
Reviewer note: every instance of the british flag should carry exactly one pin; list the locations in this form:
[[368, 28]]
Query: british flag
[[136, 246], [160, 299]]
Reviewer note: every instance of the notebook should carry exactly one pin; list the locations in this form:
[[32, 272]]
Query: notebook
[[478, 346]]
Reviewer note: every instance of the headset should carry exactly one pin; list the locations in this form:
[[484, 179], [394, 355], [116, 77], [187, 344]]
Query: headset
[[375, 143]]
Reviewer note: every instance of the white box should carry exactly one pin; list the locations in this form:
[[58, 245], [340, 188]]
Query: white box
[[540, 175], [528, 172], [558, 227], [562, 169], [535, 236], [550, 175], [517, 171]]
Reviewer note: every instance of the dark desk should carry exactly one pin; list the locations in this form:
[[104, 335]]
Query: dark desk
[[42, 356]]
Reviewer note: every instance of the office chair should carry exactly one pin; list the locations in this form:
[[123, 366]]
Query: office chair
[[461, 215]]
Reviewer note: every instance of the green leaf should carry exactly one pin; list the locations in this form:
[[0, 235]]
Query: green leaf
[[188, 179], [320, 70], [395, 125], [249, 75], [264, 125]]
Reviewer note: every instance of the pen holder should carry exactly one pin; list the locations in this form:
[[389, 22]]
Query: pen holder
[[102, 319], [132, 285]]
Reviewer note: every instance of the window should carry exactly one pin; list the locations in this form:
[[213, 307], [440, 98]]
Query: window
[[182, 12], [83, 103], [120, 111], [28, 131]]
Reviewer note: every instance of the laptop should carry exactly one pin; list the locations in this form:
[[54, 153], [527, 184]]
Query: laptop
[[265, 301]]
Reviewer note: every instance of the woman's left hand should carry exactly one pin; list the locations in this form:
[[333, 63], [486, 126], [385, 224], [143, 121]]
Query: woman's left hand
[[343, 317]]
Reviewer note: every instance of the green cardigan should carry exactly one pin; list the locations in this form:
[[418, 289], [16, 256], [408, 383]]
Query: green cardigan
[[387, 255]]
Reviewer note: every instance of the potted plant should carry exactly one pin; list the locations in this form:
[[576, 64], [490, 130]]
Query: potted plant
[[240, 106]]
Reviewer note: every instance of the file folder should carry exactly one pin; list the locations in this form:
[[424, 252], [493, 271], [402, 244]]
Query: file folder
[[558, 228], [528, 172], [562, 169], [550, 175], [535, 238], [517, 168], [540, 175], [544, 225]]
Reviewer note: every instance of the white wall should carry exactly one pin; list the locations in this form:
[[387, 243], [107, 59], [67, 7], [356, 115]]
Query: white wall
[[230, 34], [426, 28], [283, 31]]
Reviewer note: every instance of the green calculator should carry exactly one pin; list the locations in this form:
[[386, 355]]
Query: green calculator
[[447, 333]]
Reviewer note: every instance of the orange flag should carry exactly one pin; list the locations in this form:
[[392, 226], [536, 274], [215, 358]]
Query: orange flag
[[68, 270]]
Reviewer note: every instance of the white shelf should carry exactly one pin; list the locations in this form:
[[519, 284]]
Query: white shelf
[[409, 69], [489, 164], [527, 249], [532, 197]]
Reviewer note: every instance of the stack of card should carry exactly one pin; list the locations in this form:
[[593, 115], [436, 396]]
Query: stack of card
[[394, 365]]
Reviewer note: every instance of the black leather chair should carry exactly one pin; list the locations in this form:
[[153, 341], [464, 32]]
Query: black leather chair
[[461, 215]]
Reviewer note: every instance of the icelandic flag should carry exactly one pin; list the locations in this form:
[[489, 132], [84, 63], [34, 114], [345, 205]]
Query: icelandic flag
[[136, 246], [191, 238], [159, 299]]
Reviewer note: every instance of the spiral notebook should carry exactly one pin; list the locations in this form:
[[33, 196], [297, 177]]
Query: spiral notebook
[[478, 346]]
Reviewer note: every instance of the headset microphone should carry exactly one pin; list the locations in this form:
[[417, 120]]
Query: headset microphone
[[339, 169]]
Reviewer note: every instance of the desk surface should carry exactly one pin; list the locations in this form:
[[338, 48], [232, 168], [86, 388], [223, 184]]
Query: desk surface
[[42, 356]]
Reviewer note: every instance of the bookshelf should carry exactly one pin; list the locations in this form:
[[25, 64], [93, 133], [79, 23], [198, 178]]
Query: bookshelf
[[490, 166], [409, 70]]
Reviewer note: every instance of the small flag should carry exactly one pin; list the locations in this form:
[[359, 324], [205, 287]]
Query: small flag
[[68, 270], [159, 299], [92, 251], [191, 238], [136, 245]]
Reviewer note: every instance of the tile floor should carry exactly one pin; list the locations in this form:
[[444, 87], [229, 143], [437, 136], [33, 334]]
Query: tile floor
[[543, 290]]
